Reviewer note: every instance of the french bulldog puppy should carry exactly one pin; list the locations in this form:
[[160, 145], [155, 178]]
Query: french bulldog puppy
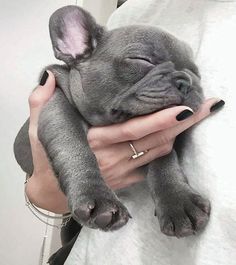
[[110, 77]]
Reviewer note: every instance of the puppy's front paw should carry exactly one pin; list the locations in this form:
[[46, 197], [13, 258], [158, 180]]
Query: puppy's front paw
[[102, 211], [184, 215]]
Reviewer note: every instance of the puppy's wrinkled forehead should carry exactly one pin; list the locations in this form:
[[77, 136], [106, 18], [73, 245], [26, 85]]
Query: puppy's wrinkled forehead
[[135, 41], [76, 37]]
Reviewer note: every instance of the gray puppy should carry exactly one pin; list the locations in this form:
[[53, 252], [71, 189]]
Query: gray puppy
[[110, 77]]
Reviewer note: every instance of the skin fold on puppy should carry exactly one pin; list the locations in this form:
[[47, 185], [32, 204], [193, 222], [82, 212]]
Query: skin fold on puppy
[[109, 77]]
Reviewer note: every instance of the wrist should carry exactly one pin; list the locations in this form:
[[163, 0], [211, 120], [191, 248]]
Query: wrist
[[48, 197]]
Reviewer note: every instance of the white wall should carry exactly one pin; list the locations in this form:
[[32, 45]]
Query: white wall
[[101, 9], [24, 49]]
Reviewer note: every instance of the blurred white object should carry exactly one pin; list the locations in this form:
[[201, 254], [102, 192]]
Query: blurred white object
[[100, 9]]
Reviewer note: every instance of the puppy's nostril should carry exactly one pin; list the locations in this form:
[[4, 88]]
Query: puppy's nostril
[[183, 86], [103, 219]]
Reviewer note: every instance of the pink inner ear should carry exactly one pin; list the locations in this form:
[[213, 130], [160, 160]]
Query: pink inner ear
[[74, 36]]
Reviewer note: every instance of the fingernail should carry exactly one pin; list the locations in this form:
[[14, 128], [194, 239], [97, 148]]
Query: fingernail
[[129, 215], [217, 105], [184, 115], [44, 78]]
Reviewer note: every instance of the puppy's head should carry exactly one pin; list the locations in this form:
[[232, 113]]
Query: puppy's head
[[116, 75]]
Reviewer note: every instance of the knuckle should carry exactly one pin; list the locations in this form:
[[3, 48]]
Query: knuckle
[[90, 135], [92, 141], [35, 100], [94, 144], [129, 133], [164, 138], [106, 170], [104, 164], [39, 97], [167, 148]]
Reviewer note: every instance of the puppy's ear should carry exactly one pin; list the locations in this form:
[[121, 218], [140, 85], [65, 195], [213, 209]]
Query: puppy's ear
[[74, 33]]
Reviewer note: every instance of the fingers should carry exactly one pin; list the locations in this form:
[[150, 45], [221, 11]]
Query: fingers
[[165, 136], [151, 155], [125, 181], [115, 167], [160, 123], [138, 127], [204, 111]]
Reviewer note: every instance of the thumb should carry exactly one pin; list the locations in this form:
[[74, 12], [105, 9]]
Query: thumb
[[37, 100], [41, 95]]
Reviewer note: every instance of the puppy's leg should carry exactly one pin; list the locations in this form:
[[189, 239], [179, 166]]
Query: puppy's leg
[[59, 257], [63, 133], [181, 210]]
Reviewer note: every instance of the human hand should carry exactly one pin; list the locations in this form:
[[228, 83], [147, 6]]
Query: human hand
[[154, 132], [42, 187]]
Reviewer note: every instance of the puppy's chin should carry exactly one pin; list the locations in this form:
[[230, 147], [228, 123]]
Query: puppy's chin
[[122, 116], [168, 107]]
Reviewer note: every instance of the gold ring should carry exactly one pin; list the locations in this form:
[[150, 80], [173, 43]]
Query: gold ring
[[136, 153]]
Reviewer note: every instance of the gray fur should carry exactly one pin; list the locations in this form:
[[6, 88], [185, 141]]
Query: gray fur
[[112, 76]]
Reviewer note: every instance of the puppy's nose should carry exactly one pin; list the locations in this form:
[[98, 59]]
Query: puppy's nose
[[183, 86]]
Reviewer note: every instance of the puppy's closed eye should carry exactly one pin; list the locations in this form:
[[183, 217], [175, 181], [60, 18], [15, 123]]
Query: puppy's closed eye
[[132, 69], [141, 60]]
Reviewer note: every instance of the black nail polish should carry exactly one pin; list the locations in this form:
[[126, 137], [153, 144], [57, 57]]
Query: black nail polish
[[217, 105], [184, 115], [44, 78]]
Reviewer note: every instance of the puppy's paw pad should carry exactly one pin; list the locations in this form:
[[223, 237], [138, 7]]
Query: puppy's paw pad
[[84, 211], [104, 219], [102, 213]]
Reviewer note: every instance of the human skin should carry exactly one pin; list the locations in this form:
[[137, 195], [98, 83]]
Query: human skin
[[154, 132]]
